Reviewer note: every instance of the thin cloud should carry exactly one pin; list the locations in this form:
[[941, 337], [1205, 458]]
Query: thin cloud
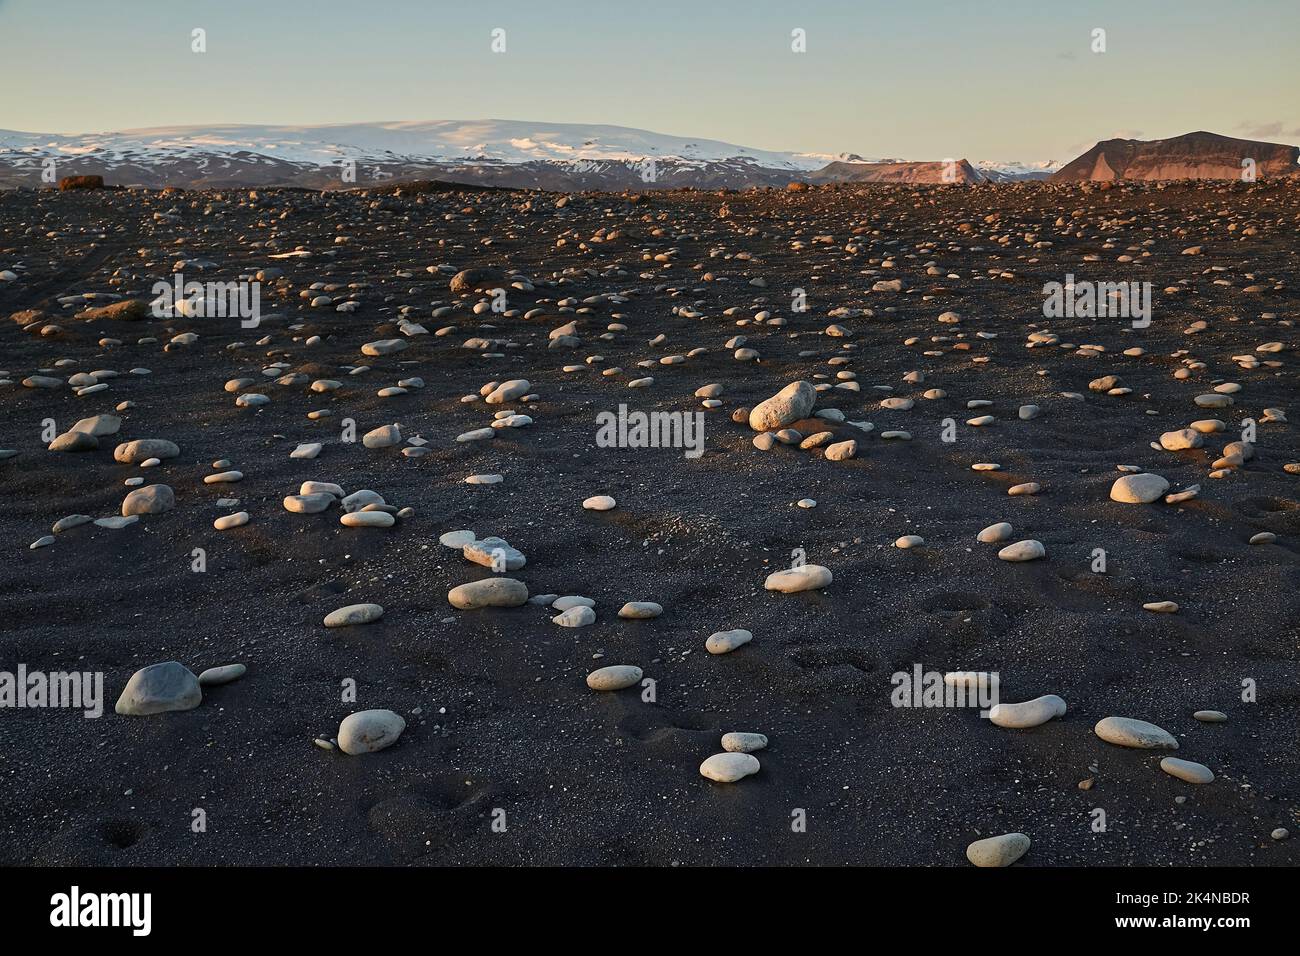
[[1258, 130]]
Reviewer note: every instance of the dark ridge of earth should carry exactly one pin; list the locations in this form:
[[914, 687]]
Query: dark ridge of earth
[[505, 719]]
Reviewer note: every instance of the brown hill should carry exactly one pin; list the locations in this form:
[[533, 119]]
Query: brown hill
[[1199, 155], [961, 172]]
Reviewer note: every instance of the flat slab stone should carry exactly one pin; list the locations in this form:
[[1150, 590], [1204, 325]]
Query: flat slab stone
[[1129, 732], [224, 674]]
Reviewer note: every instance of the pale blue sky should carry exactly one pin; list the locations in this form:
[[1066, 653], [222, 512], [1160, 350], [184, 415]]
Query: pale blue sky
[[918, 79]]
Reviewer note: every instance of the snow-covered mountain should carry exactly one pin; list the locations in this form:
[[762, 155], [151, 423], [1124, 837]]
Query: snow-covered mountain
[[1015, 172], [500, 141], [488, 152]]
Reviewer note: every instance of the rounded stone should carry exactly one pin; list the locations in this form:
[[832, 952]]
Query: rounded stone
[[810, 577], [1030, 713], [1187, 770], [1161, 607], [226, 522], [1028, 550], [489, 592], [743, 743], [724, 642], [354, 614], [995, 533], [223, 478], [580, 615], [142, 449], [842, 450], [614, 677], [149, 500], [98, 425], [74, 441], [1138, 489], [359, 501], [508, 391], [1181, 440], [385, 436], [367, 731], [160, 688], [383, 347], [998, 851], [367, 519], [792, 403], [640, 610], [729, 767], [321, 488]]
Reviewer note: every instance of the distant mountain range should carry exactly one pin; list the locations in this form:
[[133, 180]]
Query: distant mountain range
[[553, 156]]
